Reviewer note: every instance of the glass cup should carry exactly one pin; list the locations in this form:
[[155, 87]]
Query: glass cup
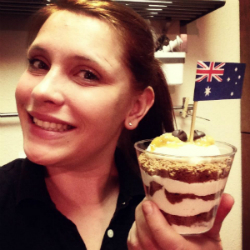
[[187, 190]]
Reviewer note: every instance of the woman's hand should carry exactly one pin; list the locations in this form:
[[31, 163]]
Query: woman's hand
[[151, 231]]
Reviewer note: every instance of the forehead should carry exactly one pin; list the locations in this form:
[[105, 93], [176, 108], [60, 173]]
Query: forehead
[[80, 31], [74, 22]]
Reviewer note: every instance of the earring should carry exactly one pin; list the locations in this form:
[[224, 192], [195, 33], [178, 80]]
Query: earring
[[130, 124]]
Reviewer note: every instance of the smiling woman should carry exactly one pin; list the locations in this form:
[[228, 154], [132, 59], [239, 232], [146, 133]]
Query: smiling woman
[[78, 88], [90, 64], [91, 89]]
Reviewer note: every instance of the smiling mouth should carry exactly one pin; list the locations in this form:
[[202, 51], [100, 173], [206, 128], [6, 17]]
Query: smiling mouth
[[52, 126]]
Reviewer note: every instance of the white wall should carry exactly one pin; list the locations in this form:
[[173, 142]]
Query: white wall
[[214, 37], [12, 64]]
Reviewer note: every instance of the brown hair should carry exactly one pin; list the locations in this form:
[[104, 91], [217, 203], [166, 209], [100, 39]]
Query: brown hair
[[139, 48]]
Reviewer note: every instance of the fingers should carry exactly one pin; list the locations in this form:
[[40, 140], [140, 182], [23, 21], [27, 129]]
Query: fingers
[[133, 241], [140, 236], [161, 231], [151, 231], [226, 204]]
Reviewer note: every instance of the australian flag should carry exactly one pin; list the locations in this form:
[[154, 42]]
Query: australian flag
[[217, 81]]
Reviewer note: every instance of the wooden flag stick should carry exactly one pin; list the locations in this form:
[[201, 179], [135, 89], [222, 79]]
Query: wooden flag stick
[[191, 136]]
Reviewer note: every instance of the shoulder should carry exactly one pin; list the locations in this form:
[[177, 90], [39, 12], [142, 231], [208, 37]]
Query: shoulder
[[9, 182], [10, 170], [9, 178]]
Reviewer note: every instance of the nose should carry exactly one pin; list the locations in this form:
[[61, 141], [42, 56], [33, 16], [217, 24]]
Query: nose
[[49, 90]]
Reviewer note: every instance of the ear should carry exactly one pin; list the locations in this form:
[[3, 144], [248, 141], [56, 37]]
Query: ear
[[141, 104]]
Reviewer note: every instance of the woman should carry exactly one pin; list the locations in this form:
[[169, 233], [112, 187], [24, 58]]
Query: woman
[[91, 89]]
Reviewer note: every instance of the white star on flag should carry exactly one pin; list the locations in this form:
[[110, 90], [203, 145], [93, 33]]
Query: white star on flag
[[207, 91]]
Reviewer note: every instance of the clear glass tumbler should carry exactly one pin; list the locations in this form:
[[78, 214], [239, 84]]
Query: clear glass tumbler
[[186, 189]]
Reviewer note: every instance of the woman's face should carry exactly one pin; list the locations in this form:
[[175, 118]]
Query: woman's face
[[76, 94]]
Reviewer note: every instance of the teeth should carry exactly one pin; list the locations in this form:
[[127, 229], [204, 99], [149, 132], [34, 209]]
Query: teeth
[[51, 126]]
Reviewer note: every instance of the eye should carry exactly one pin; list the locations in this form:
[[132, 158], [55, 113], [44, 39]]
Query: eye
[[36, 64], [88, 75]]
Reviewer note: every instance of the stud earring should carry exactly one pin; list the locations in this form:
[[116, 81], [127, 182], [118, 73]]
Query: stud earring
[[130, 124]]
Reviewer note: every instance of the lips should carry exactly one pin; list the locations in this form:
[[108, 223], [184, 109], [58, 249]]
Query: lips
[[52, 126], [49, 123]]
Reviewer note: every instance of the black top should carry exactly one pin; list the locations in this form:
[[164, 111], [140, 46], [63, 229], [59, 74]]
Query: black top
[[29, 219]]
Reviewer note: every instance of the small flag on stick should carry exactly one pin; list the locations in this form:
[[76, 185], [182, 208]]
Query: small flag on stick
[[217, 81]]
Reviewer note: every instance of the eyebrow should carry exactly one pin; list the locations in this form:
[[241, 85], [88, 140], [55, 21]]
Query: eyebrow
[[76, 57], [36, 47], [84, 58]]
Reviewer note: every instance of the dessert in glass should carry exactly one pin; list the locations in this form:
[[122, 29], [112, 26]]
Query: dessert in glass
[[185, 179]]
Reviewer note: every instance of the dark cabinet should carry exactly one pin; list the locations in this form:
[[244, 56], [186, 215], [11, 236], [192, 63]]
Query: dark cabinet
[[183, 10], [245, 121]]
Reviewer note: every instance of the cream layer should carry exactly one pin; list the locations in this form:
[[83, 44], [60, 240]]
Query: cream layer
[[187, 207]]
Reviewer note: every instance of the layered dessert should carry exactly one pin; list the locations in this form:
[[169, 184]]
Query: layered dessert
[[185, 179]]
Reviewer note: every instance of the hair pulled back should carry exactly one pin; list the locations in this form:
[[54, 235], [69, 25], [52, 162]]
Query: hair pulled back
[[138, 43]]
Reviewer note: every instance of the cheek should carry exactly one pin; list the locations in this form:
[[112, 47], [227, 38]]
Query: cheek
[[23, 91], [117, 104], [19, 96], [115, 111], [103, 106]]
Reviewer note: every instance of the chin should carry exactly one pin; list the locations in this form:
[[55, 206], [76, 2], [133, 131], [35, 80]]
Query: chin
[[38, 156]]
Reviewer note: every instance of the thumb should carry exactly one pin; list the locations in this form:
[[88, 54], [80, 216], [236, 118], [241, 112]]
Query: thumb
[[162, 232]]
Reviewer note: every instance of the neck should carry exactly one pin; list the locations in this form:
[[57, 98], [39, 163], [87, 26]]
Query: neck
[[81, 187]]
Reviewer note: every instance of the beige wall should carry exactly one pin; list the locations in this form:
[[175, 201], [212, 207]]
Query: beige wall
[[214, 37], [12, 64]]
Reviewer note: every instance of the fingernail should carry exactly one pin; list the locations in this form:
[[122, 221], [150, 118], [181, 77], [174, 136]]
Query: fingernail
[[147, 208]]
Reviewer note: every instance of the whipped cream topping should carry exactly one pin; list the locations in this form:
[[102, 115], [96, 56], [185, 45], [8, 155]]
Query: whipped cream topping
[[51, 126], [189, 150], [171, 145]]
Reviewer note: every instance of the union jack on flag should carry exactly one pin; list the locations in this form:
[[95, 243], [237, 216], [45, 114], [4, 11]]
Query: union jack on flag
[[209, 71], [218, 80]]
